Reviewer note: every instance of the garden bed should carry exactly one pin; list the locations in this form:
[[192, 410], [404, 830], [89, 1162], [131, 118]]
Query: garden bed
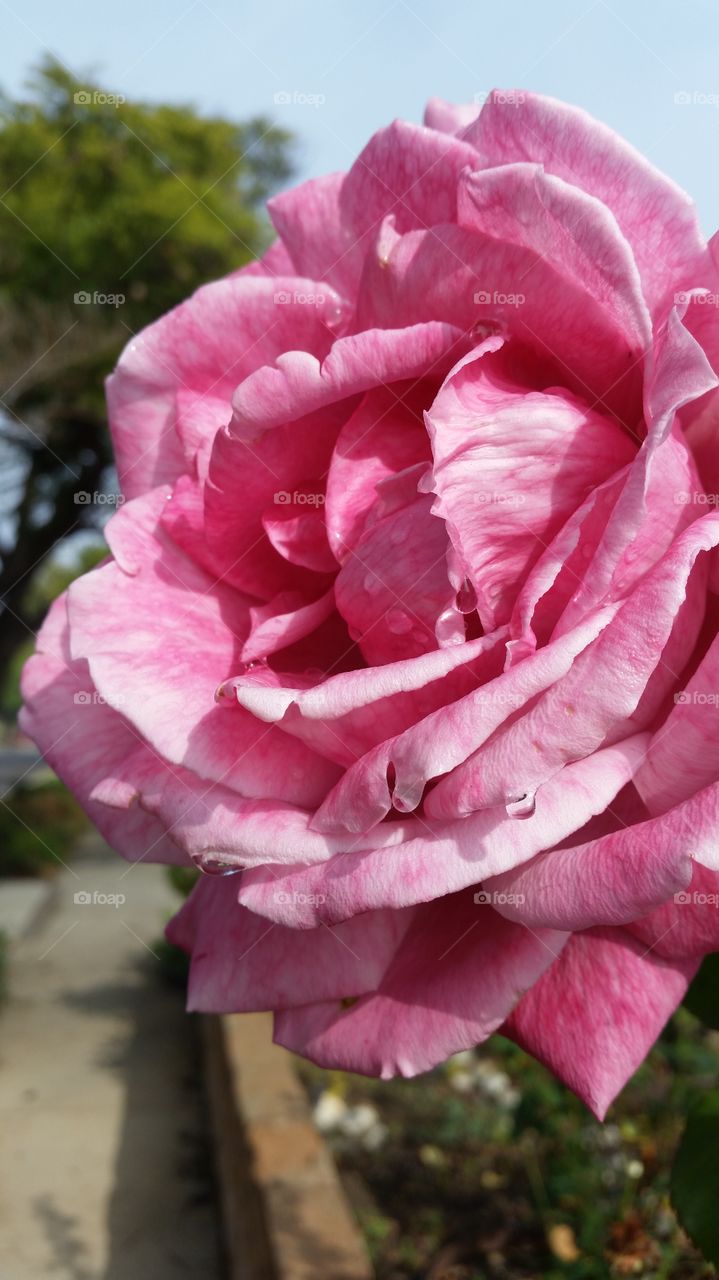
[[488, 1169]]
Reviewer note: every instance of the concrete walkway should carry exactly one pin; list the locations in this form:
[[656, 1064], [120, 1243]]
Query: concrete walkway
[[105, 1169]]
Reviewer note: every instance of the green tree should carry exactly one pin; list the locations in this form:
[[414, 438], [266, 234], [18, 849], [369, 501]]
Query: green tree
[[99, 198]]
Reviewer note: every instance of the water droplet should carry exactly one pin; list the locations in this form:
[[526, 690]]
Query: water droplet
[[225, 693], [522, 806], [245, 668], [407, 798], [215, 867], [449, 627], [398, 622], [466, 597], [372, 584]]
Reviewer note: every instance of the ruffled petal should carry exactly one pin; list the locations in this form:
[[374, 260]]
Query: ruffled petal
[[510, 465], [594, 1016], [206, 346], [434, 859], [85, 738], [240, 963], [457, 973], [657, 218], [617, 683], [162, 640]]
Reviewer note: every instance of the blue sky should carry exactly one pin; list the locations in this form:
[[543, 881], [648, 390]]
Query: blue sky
[[376, 59]]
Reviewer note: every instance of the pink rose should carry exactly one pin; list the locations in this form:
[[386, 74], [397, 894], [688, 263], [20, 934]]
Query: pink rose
[[409, 617]]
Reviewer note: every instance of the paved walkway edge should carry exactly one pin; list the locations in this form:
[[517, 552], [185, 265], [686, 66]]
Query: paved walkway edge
[[284, 1211], [24, 904]]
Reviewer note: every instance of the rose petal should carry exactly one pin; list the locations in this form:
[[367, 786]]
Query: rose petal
[[594, 1016], [455, 976]]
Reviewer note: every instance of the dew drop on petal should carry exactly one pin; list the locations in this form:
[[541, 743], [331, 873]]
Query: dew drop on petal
[[449, 627], [215, 867], [408, 797], [466, 597], [522, 806]]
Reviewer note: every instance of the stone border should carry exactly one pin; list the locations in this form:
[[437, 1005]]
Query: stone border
[[284, 1211]]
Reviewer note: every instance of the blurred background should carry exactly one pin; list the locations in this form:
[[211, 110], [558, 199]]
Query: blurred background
[[138, 145]]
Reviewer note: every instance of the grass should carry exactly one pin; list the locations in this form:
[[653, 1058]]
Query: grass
[[470, 1187]]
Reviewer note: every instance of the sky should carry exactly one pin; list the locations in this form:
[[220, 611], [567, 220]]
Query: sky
[[333, 71]]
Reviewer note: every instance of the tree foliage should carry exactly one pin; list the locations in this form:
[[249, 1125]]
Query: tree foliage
[[99, 200]]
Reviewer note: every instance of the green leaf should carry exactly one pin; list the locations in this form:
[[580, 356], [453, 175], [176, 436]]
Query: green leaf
[[702, 998], [695, 1177]]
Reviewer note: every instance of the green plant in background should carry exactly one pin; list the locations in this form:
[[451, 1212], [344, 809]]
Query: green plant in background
[[39, 825], [695, 1175], [183, 879], [491, 1168], [102, 199]]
